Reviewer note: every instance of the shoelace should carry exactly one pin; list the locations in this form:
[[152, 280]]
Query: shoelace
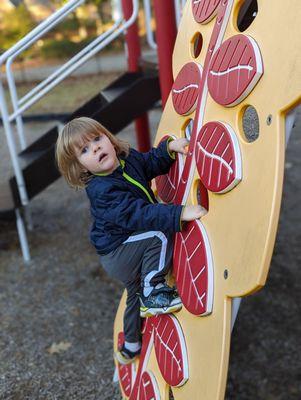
[[163, 296]]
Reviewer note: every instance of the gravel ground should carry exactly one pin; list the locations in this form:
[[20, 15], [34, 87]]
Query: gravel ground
[[57, 313]]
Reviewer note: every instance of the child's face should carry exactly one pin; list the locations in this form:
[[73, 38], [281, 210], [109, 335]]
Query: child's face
[[98, 155]]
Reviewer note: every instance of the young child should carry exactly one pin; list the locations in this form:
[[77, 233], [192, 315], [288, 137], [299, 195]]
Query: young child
[[131, 231]]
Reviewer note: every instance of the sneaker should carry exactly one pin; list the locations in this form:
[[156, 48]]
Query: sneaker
[[161, 301], [125, 356]]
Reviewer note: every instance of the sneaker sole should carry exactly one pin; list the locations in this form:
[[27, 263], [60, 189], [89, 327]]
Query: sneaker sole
[[150, 312], [122, 360]]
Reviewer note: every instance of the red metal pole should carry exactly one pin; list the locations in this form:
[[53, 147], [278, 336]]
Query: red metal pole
[[134, 53], [166, 32]]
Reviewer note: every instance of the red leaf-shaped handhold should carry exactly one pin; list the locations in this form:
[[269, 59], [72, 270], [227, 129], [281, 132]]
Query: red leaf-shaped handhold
[[170, 350], [147, 344], [148, 387], [167, 184], [218, 158], [193, 268], [204, 10], [234, 70], [126, 373], [185, 89]]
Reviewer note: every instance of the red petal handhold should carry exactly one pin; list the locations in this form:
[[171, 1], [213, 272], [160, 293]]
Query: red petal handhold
[[148, 387], [193, 268], [168, 183], [125, 372], [235, 69], [170, 350], [185, 89], [204, 10], [147, 344], [218, 158]]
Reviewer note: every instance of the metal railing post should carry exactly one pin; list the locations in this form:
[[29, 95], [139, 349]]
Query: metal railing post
[[18, 174], [148, 18]]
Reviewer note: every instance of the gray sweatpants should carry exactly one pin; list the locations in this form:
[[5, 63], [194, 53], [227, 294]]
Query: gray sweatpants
[[140, 263]]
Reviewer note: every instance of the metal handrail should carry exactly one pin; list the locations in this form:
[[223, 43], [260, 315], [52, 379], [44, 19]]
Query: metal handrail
[[38, 29], [179, 5], [44, 87], [75, 58], [68, 63], [10, 58], [177, 11], [62, 12], [148, 17], [78, 63], [60, 70]]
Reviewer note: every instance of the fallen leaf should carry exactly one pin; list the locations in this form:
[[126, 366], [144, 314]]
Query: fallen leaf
[[58, 347]]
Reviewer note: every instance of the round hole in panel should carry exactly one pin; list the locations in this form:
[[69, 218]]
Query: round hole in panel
[[246, 14], [200, 194], [187, 129], [250, 124], [196, 44]]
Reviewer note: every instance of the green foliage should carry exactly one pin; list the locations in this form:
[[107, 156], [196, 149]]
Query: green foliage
[[15, 24], [60, 42], [64, 48], [70, 23]]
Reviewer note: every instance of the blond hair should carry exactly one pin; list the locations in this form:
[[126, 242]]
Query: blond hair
[[72, 137]]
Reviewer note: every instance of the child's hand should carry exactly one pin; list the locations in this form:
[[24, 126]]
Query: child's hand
[[191, 213], [178, 145]]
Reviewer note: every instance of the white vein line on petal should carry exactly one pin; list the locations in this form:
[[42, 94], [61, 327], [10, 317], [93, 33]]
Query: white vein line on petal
[[194, 251], [189, 233], [216, 157], [200, 273], [239, 67], [199, 298], [160, 337], [192, 85], [124, 377], [170, 182]]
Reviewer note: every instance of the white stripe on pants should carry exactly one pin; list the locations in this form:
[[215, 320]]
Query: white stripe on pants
[[146, 235]]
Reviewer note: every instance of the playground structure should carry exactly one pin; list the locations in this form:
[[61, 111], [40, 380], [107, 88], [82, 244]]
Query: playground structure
[[223, 67], [224, 280]]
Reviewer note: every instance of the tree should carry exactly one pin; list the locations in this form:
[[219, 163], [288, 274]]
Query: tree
[[16, 3], [15, 25]]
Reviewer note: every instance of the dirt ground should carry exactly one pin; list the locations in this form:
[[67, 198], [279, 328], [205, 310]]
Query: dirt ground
[[57, 313]]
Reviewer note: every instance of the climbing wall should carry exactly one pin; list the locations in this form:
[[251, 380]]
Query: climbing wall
[[219, 73]]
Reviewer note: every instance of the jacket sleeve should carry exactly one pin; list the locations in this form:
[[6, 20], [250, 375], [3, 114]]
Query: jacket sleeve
[[131, 213], [158, 160]]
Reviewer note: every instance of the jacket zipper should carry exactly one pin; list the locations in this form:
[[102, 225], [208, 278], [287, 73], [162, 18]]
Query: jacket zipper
[[131, 180], [134, 182]]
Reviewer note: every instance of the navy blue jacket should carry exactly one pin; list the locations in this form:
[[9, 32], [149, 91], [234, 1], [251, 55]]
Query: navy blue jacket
[[119, 207]]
